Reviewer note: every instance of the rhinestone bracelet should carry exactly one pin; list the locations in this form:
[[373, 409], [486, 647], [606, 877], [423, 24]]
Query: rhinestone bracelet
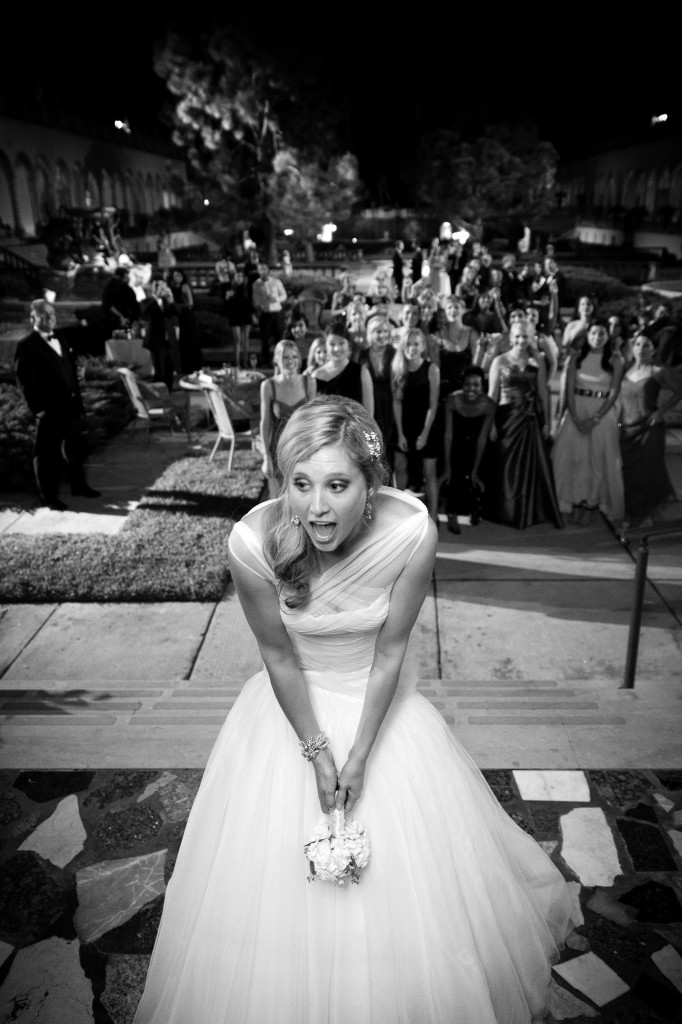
[[310, 748]]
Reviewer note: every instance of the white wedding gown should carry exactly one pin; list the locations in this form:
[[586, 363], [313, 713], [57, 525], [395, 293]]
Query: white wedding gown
[[458, 915]]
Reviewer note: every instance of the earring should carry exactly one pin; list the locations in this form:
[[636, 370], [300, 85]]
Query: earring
[[369, 510], [295, 521]]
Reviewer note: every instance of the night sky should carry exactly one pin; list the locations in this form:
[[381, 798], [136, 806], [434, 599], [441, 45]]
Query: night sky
[[400, 77]]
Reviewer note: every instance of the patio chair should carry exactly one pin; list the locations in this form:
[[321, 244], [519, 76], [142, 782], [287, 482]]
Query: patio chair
[[150, 405], [226, 431]]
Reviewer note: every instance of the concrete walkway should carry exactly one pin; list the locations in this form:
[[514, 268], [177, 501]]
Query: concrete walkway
[[521, 644]]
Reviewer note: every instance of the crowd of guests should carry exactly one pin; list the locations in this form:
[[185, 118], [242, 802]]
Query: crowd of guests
[[455, 358], [457, 367], [165, 305]]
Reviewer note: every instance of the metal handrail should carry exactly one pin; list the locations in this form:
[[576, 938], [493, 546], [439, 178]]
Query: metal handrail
[[9, 258], [636, 614]]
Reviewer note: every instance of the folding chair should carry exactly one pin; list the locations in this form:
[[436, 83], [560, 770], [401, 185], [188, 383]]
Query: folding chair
[[149, 405], [226, 431]]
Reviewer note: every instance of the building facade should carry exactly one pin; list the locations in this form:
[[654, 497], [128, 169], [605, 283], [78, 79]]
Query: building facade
[[45, 168], [626, 195]]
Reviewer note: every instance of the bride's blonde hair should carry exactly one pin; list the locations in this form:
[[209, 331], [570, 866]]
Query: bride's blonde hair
[[328, 419]]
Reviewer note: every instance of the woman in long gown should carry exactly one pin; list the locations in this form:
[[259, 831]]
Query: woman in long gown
[[519, 490], [586, 452], [340, 375], [280, 396], [465, 413], [646, 482], [191, 357], [459, 913]]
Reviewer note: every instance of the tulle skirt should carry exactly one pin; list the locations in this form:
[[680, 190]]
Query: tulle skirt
[[456, 919]]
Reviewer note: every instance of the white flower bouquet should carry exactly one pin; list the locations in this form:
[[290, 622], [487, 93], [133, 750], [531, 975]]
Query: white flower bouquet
[[337, 850]]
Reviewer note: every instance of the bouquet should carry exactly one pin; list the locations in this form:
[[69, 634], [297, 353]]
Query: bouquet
[[337, 850]]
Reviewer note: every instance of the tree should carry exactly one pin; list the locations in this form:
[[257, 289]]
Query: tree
[[257, 150], [503, 175]]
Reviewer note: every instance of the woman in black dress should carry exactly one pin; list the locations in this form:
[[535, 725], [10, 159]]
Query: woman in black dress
[[416, 381], [341, 376], [465, 414], [161, 338], [238, 309], [191, 357]]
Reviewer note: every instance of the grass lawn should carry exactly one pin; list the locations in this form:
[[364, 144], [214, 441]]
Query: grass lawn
[[173, 546]]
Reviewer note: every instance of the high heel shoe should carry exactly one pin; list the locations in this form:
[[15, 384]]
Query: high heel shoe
[[587, 515], [453, 525], [575, 516]]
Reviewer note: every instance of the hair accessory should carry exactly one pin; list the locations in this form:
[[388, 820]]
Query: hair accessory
[[311, 747], [295, 521], [373, 444], [369, 510]]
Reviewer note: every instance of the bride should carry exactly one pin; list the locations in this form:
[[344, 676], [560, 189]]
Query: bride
[[458, 914]]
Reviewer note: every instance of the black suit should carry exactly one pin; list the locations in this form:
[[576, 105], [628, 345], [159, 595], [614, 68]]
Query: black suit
[[49, 384]]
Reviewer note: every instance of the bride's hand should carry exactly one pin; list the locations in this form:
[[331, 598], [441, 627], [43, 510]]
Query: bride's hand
[[351, 781], [326, 779]]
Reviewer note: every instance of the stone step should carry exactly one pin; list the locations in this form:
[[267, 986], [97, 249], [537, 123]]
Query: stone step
[[539, 724]]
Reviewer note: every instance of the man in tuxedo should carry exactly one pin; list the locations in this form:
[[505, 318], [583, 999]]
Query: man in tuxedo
[[46, 374]]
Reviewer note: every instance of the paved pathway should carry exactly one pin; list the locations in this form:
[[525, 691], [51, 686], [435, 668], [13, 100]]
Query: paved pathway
[[521, 644]]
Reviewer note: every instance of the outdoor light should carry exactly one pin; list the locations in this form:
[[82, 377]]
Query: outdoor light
[[288, 231], [659, 118], [354, 240], [461, 235], [327, 233], [206, 202], [122, 126]]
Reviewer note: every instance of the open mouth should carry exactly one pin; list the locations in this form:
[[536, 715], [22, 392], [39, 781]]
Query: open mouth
[[323, 532]]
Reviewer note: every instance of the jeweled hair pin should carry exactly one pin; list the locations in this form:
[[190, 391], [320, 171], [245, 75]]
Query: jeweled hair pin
[[373, 444]]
